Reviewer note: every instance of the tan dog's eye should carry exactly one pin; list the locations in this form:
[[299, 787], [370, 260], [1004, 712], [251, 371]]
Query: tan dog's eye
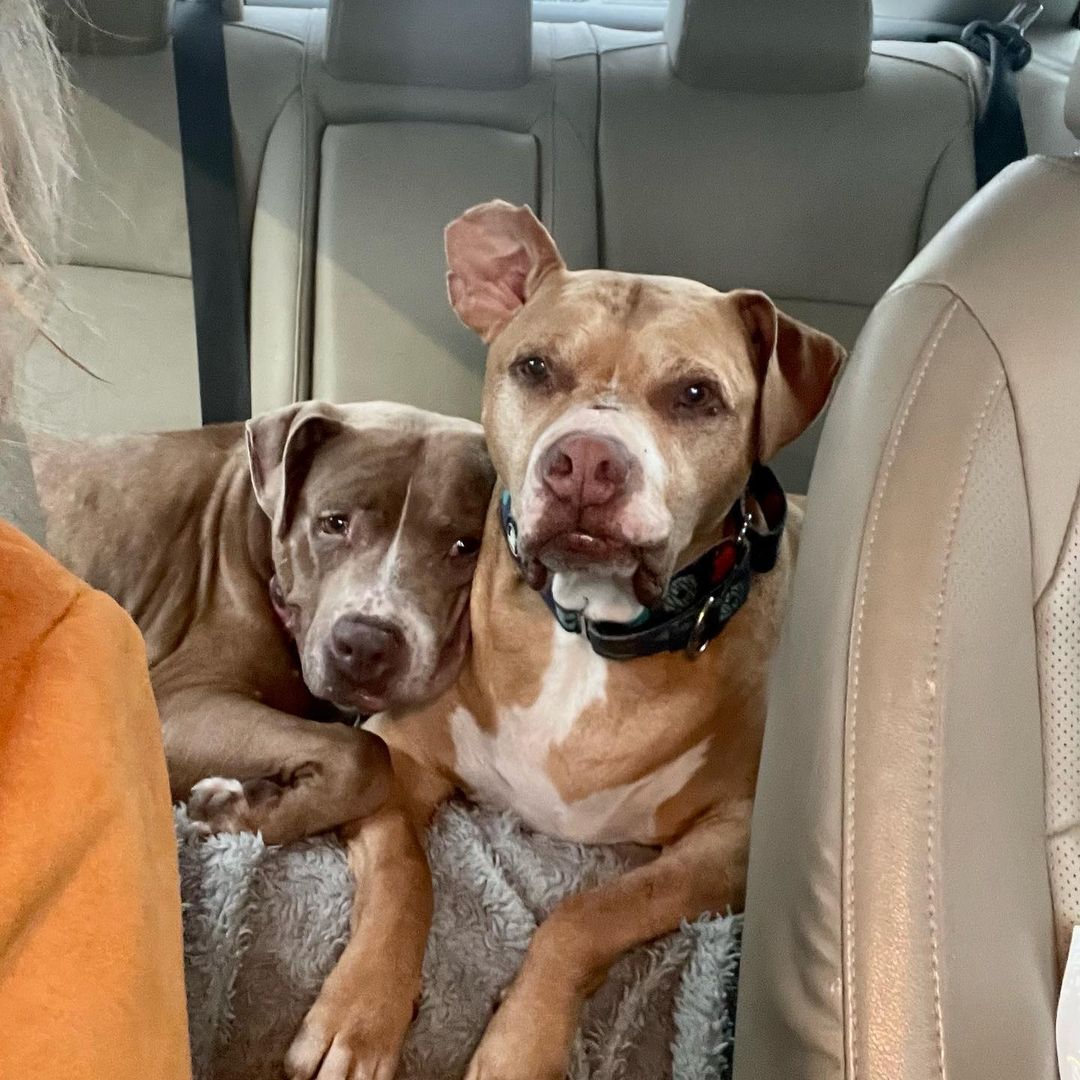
[[464, 547], [700, 397], [532, 370], [333, 524]]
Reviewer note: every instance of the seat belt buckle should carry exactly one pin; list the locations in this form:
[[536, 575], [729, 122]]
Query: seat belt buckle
[[1023, 15]]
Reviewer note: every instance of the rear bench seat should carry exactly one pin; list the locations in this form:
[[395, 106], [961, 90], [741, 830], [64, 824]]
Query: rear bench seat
[[748, 144], [766, 145], [1042, 84], [414, 111], [125, 304]]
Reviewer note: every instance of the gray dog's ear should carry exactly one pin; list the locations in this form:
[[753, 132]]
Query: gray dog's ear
[[497, 255], [796, 365], [278, 443]]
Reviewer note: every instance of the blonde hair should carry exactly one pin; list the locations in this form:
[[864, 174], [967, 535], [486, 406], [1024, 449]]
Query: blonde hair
[[35, 167]]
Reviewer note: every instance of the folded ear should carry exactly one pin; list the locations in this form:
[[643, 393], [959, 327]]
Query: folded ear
[[280, 446], [497, 254], [797, 366]]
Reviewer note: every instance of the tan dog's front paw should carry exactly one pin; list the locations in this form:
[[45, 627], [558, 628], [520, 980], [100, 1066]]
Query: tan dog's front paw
[[219, 805], [524, 1041], [356, 1045]]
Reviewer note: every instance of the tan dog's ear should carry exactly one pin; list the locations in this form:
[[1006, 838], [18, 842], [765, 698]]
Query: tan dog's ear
[[797, 366], [279, 446], [497, 254]]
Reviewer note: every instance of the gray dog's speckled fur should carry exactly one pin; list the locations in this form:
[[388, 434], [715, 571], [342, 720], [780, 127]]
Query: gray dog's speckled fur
[[263, 926]]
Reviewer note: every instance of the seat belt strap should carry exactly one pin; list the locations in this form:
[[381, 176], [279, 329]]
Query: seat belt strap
[[218, 267], [999, 129]]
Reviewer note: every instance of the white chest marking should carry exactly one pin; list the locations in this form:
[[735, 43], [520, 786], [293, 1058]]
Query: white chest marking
[[509, 768]]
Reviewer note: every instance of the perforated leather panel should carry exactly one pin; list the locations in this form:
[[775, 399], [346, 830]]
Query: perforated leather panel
[[1057, 621]]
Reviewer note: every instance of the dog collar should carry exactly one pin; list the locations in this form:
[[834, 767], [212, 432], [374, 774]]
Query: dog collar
[[700, 599]]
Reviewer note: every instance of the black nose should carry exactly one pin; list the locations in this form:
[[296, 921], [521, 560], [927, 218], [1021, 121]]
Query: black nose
[[366, 650]]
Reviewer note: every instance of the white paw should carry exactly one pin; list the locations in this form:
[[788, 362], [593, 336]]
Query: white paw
[[219, 805]]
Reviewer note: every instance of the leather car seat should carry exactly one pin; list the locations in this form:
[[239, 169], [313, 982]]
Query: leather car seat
[[915, 861]]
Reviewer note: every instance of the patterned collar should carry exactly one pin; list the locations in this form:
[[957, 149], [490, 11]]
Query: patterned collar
[[700, 599]]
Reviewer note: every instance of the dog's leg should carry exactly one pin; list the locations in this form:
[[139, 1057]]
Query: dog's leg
[[530, 1035], [355, 1029], [262, 770]]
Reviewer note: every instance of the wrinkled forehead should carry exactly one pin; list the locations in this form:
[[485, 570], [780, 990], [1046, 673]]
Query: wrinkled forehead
[[629, 320], [378, 467]]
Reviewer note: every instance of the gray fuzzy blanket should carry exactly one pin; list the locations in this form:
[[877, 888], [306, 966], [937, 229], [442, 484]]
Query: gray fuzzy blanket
[[264, 925]]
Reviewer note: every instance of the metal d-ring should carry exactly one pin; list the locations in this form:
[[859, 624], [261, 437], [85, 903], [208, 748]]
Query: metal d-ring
[[697, 643]]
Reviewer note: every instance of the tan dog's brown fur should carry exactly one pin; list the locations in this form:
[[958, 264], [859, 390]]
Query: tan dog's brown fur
[[666, 751]]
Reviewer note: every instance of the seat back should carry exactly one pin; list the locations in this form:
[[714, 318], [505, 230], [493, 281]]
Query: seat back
[[124, 309], [401, 136], [916, 835], [768, 146]]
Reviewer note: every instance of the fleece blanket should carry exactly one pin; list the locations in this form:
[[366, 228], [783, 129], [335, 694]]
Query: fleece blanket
[[263, 926]]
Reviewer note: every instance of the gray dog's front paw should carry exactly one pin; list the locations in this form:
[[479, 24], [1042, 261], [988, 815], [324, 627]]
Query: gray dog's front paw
[[220, 805]]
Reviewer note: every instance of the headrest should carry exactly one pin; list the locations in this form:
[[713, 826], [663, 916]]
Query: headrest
[[109, 27], [1072, 99], [788, 46], [961, 12], [466, 44]]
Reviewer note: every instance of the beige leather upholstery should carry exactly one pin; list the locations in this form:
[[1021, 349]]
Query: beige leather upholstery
[[483, 45], [125, 308], [786, 45], [1058, 12], [1054, 40], [1072, 106], [818, 199], [387, 167], [355, 145], [109, 27], [914, 846], [1043, 85]]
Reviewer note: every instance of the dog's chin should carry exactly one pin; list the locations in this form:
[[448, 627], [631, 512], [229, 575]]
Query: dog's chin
[[604, 577], [356, 700], [341, 692]]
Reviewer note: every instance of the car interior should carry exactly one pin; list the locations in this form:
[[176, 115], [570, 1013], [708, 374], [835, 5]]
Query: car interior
[[915, 862]]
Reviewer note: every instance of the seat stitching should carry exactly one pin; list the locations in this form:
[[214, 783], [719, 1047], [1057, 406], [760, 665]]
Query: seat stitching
[[931, 66], [932, 747], [849, 751]]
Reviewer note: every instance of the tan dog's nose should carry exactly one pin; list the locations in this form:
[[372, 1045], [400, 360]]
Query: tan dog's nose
[[586, 470], [366, 651]]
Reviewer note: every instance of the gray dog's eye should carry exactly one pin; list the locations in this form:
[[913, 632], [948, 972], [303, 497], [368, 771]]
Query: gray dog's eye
[[333, 524], [467, 545]]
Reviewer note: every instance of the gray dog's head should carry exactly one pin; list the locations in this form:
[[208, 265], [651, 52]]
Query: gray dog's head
[[377, 512]]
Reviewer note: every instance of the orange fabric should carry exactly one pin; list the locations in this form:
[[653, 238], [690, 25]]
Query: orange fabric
[[91, 956]]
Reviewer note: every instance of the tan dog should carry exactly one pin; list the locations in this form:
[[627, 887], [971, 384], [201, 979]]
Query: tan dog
[[360, 524], [625, 415]]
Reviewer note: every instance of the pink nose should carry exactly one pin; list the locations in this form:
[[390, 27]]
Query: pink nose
[[586, 470]]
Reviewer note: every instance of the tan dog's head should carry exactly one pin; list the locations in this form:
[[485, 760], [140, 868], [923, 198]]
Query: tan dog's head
[[623, 412], [377, 512]]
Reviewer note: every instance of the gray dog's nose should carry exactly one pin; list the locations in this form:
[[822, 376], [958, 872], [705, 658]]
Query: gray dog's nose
[[368, 651], [586, 470]]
